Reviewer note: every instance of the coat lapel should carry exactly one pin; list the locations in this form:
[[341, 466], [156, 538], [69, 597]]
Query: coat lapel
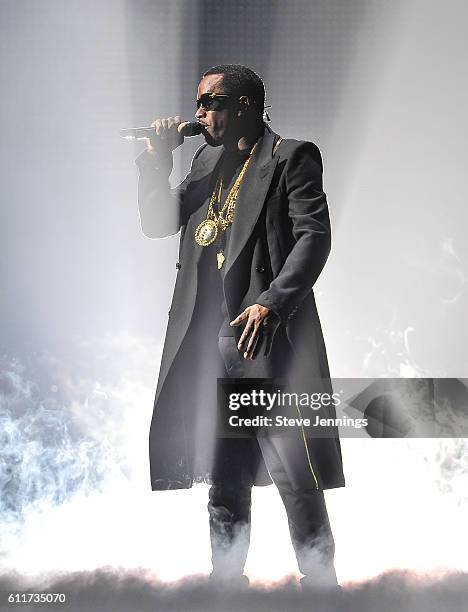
[[251, 196], [250, 199]]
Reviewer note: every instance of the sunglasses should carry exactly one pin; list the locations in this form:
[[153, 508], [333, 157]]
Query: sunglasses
[[211, 101]]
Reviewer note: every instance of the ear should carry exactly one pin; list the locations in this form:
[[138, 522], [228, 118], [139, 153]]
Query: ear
[[244, 104]]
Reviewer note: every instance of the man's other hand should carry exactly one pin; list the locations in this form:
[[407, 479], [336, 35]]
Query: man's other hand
[[259, 326]]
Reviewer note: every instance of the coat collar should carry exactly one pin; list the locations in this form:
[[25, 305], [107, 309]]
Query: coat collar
[[250, 199]]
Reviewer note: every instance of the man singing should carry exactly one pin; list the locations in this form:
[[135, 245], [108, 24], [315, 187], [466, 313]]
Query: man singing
[[254, 237]]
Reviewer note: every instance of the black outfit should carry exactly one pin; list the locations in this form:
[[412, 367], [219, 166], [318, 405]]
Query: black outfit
[[230, 473], [275, 249]]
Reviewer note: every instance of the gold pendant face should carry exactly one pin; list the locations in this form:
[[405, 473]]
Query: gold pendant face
[[220, 259], [206, 232]]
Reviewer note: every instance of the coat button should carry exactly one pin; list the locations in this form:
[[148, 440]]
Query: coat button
[[260, 269], [178, 265]]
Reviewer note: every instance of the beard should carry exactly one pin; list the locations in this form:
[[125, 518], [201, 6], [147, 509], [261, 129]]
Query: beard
[[210, 140]]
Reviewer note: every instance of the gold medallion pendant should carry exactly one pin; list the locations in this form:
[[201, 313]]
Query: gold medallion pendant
[[206, 232], [217, 222]]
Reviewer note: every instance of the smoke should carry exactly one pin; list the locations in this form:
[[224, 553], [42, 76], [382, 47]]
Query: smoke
[[45, 455], [71, 425], [75, 493], [390, 353], [451, 266], [63, 421], [449, 465], [110, 590]]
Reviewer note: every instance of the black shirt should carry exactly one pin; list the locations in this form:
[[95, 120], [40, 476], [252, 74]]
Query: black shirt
[[211, 313]]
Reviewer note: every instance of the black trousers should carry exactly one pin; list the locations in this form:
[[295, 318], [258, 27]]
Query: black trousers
[[229, 509], [229, 503]]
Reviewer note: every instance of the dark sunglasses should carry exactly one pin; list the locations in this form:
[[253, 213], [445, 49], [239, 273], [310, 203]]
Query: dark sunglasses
[[211, 101]]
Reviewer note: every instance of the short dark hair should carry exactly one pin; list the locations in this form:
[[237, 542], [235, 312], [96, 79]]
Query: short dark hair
[[239, 80]]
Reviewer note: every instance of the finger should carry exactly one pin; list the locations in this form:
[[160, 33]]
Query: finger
[[243, 315], [258, 344], [175, 121], [164, 128], [253, 352], [244, 334], [181, 126], [157, 126], [252, 340]]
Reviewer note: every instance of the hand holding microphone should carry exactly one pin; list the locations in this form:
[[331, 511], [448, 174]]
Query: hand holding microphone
[[164, 135], [167, 134]]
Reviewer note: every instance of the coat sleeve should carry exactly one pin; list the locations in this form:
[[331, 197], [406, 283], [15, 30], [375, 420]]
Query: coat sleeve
[[301, 188], [161, 208]]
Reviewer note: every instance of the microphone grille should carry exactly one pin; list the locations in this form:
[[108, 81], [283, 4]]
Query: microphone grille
[[192, 129]]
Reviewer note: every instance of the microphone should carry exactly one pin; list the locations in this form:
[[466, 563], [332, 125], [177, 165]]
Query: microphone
[[139, 133]]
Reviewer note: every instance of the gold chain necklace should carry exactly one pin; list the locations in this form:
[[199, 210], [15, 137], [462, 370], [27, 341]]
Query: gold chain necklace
[[210, 229]]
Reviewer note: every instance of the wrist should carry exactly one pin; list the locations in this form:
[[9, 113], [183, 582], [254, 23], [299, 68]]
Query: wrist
[[155, 159]]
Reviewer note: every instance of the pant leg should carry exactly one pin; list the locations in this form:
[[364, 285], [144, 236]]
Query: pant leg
[[229, 507], [309, 525]]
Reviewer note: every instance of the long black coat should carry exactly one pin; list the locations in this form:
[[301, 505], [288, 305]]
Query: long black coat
[[277, 250]]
